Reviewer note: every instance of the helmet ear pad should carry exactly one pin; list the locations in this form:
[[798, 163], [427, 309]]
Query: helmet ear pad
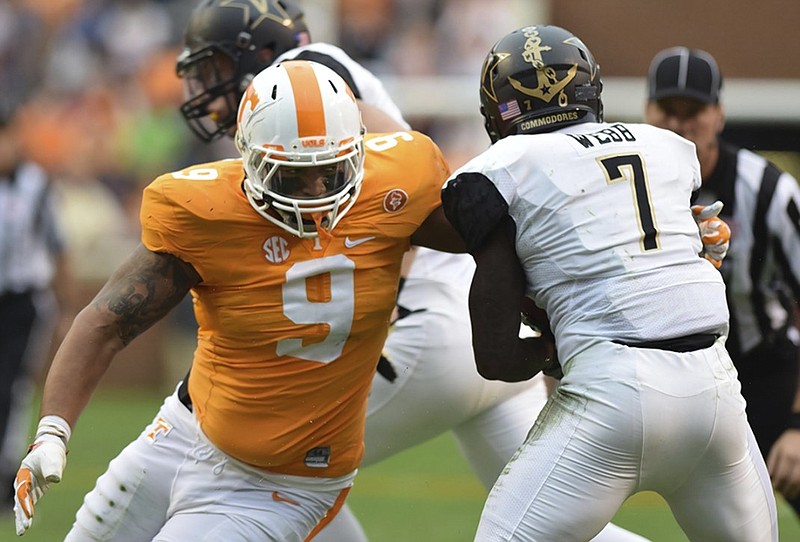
[[488, 125]]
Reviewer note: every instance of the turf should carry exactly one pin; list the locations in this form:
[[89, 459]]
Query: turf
[[424, 494]]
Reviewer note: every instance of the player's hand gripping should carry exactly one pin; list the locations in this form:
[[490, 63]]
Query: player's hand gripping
[[536, 332], [715, 233], [43, 465]]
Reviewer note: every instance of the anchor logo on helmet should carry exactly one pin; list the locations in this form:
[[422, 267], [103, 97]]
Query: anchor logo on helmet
[[547, 82]]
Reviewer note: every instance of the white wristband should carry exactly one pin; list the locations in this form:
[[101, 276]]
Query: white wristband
[[53, 426]]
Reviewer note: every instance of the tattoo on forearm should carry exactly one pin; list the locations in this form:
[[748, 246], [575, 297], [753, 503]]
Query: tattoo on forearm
[[143, 291]]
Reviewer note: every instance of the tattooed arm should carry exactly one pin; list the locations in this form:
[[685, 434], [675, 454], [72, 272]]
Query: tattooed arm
[[139, 293]]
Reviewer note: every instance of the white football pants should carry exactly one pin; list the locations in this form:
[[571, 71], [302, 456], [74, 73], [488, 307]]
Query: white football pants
[[625, 420], [172, 485]]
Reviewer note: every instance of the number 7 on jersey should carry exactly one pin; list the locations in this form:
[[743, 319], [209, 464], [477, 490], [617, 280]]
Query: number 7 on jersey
[[630, 167]]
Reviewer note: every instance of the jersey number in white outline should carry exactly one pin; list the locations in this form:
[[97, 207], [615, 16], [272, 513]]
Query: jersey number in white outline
[[337, 312], [197, 174]]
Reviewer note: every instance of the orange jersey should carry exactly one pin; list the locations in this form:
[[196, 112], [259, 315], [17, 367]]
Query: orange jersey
[[290, 329]]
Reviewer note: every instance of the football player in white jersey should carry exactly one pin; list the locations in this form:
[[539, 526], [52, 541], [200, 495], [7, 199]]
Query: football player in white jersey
[[592, 222], [426, 383]]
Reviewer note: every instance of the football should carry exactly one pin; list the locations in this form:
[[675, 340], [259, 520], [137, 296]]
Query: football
[[533, 315]]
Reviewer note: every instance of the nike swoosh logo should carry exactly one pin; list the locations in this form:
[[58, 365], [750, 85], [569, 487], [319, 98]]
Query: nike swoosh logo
[[276, 497], [350, 243]]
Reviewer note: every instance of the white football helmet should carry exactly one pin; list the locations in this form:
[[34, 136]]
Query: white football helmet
[[300, 134]]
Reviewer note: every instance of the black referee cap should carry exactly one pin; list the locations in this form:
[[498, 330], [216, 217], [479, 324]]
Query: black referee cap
[[683, 72]]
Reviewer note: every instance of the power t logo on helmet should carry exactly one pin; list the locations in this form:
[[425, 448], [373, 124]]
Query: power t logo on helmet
[[538, 79], [225, 45], [249, 102]]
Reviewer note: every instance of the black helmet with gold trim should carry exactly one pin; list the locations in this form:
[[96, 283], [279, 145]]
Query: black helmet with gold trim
[[539, 79]]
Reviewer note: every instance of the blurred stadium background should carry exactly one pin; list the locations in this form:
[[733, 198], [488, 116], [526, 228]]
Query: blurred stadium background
[[98, 98]]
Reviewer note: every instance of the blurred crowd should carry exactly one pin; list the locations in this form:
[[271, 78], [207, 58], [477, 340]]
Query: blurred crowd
[[98, 97], [96, 91]]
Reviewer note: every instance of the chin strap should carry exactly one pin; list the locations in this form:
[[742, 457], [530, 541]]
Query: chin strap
[[324, 234]]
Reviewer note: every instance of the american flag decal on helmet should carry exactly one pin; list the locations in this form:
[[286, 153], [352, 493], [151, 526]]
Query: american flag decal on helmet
[[509, 110]]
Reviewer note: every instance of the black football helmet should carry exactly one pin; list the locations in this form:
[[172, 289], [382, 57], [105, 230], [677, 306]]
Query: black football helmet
[[226, 43], [539, 79]]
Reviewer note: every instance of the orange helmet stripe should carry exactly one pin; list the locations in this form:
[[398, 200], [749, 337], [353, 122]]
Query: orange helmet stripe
[[307, 99]]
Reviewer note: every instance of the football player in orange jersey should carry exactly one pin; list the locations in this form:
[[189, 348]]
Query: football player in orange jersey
[[292, 256]]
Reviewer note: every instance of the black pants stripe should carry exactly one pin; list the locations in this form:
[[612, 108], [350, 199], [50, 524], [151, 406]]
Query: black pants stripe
[[26, 326]]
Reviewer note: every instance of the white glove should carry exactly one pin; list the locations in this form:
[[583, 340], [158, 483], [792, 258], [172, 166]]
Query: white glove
[[714, 232], [43, 465]]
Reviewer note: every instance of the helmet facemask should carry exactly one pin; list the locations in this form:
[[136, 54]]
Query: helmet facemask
[[209, 77], [305, 194]]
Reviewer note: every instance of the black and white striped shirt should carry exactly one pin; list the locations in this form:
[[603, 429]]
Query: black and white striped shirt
[[30, 235], [762, 268]]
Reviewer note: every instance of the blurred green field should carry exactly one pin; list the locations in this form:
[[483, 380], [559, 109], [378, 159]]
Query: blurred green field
[[424, 494]]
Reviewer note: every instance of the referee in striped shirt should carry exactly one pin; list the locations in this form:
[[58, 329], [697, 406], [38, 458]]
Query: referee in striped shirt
[[31, 267], [762, 268]]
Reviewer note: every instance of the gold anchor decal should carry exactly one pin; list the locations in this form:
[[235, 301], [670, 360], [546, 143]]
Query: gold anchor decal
[[547, 83]]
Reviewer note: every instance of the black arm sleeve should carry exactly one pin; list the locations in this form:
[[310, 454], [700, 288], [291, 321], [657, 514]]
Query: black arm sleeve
[[474, 207]]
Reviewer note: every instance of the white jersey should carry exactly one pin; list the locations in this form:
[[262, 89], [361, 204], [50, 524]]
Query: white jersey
[[605, 233]]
